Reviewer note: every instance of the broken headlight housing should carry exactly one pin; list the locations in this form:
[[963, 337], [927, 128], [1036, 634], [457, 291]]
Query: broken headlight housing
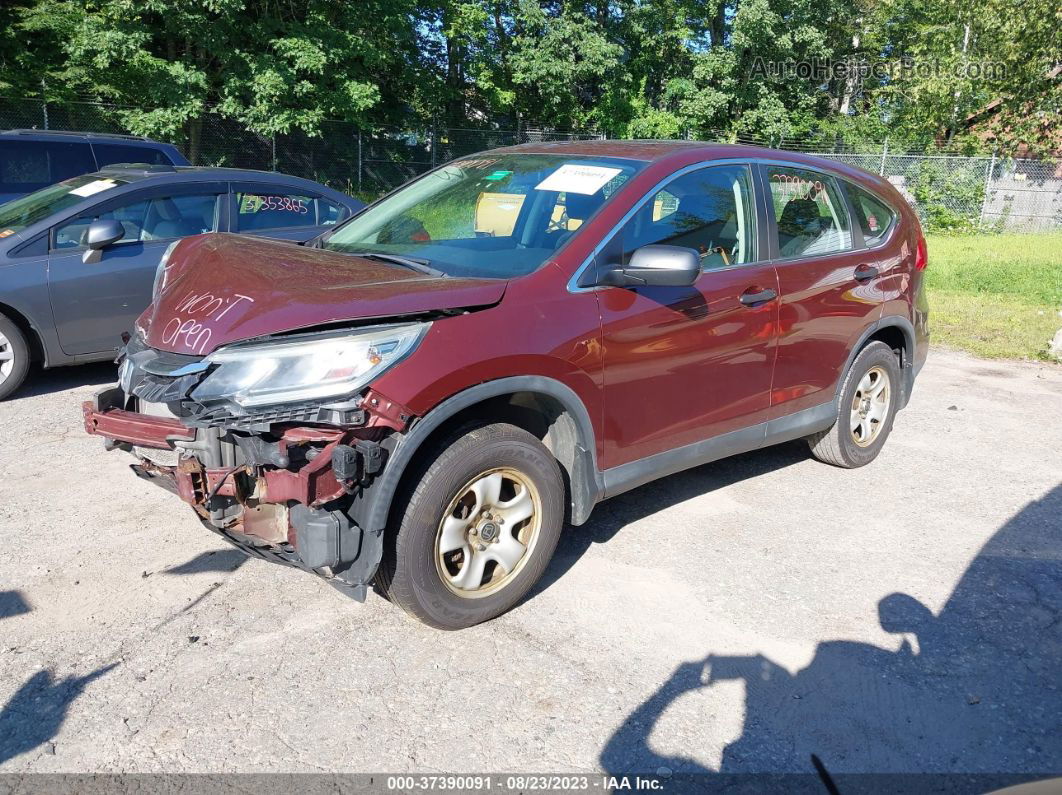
[[307, 368]]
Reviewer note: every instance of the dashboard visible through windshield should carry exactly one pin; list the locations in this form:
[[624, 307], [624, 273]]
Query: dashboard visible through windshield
[[492, 216]]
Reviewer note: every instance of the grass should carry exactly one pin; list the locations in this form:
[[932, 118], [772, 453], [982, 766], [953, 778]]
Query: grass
[[996, 296]]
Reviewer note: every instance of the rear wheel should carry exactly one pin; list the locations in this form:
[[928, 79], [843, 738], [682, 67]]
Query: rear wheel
[[865, 412], [14, 357], [478, 530]]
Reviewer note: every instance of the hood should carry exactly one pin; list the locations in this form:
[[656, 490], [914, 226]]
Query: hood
[[221, 288]]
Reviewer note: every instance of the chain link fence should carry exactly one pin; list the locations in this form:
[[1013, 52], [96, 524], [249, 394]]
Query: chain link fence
[[949, 191]]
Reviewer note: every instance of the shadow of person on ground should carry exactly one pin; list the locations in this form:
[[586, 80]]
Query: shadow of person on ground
[[35, 713], [613, 515], [224, 560], [13, 603], [973, 690]]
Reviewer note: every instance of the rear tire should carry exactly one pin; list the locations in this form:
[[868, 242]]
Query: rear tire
[[866, 409], [14, 357], [454, 559]]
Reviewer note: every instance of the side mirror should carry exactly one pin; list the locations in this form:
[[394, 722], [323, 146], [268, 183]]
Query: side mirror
[[657, 266], [101, 233]]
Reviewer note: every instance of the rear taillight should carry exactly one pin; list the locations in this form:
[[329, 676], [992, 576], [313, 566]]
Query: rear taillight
[[921, 259]]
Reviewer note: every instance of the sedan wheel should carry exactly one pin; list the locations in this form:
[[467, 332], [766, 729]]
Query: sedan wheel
[[14, 357]]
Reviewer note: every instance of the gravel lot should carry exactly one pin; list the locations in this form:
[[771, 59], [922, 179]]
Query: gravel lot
[[901, 617]]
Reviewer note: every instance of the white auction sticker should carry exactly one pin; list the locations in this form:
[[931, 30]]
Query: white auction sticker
[[578, 179], [97, 185]]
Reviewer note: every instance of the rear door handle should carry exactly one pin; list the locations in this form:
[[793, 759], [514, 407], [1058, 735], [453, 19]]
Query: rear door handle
[[759, 297], [864, 272]]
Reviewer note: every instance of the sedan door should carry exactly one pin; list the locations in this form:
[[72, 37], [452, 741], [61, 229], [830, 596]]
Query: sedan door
[[684, 364], [94, 303], [282, 212]]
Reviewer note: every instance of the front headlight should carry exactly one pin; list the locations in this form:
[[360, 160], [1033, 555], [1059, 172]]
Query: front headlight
[[313, 368]]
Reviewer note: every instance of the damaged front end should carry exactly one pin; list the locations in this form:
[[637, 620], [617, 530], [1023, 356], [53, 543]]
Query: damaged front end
[[285, 481]]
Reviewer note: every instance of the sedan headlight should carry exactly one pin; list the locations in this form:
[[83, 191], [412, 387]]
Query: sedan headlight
[[313, 368]]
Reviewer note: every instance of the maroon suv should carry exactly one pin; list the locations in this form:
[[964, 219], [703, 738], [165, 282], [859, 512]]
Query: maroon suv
[[423, 396]]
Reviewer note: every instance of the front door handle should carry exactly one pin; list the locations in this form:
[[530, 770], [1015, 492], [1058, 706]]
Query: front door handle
[[750, 298], [865, 271]]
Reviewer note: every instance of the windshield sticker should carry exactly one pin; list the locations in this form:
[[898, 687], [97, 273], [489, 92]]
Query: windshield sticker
[[497, 176], [254, 203], [90, 188], [7, 233], [571, 178]]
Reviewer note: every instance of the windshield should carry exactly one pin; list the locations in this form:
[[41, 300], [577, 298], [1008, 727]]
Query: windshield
[[493, 216], [18, 214]]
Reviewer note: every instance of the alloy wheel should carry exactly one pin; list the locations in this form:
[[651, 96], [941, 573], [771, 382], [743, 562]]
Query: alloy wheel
[[7, 358], [870, 406]]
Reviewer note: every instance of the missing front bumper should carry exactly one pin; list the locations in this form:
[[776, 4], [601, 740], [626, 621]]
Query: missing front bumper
[[277, 497]]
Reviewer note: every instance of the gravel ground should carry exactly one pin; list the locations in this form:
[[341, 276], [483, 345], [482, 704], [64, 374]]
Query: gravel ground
[[737, 617]]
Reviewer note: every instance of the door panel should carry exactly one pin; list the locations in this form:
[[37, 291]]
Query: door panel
[[824, 306], [94, 303], [683, 364]]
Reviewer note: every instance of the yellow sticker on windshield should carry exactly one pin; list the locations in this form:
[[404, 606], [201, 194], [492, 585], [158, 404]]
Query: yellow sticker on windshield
[[7, 233]]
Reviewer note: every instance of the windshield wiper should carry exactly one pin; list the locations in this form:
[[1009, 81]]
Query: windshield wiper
[[418, 265]]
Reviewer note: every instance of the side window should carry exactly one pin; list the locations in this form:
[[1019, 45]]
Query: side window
[[109, 154], [155, 219], [710, 210], [26, 166], [255, 211], [810, 214], [330, 213], [875, 217]]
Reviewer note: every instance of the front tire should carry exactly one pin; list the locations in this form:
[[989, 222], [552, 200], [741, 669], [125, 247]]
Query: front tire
[[478, 530], [14, 357], [865, 412]]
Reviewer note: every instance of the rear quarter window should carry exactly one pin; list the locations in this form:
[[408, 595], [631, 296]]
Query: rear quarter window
[[110, 154], [27, 166], [875, 217]]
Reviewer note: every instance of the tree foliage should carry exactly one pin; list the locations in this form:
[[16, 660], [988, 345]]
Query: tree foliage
[[918, 71]]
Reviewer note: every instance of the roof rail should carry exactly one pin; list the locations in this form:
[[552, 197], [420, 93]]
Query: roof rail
[[139, 168], [74, 133]]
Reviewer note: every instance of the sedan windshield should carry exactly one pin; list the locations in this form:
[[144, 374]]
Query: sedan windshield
[[493, 216], [18, 214]]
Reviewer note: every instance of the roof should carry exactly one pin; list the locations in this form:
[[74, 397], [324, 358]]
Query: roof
[[653, 150], [60, 134], [630, 149]]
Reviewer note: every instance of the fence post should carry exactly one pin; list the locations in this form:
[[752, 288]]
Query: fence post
[[988, 184], [884, 154], [273, 141], [359, 161], [433, 133]]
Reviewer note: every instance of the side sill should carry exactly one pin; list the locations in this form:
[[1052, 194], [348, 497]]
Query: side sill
[[783, 429]]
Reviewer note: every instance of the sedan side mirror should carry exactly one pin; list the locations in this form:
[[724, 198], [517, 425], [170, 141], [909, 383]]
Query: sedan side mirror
[[101, 233], [657, 266]]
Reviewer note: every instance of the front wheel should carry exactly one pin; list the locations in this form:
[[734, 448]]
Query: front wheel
[[866, 409], [14, 357], [478, 531]]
